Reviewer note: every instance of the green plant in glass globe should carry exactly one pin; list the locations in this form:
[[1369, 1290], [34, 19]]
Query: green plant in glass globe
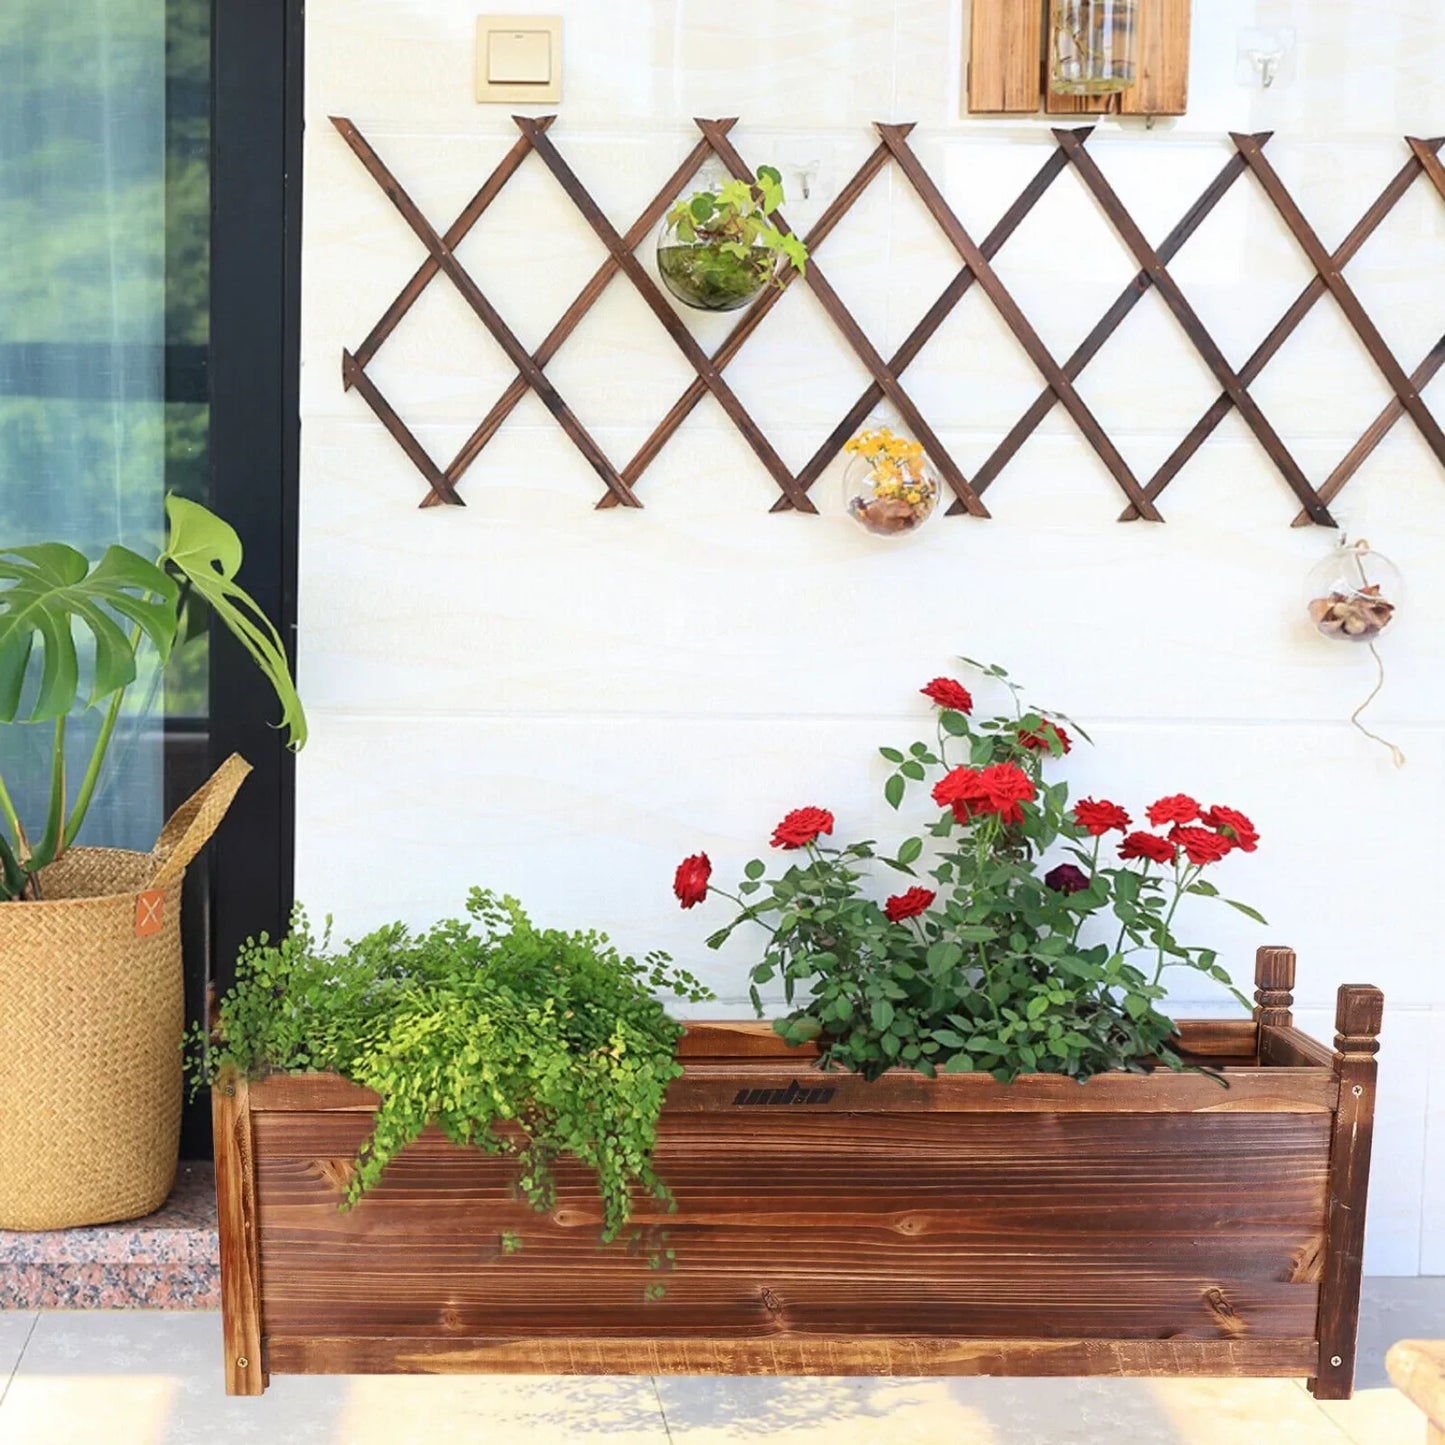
[[719, 247]]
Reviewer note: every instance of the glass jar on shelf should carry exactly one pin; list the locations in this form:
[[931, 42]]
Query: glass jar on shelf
[[1093, 46]]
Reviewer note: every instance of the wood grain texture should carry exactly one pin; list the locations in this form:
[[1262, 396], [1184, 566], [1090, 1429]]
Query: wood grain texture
[[801, 1223], [672, 323], [456, 233], [929, 323], [487, 314], [752, 318], [1136, 1224], [708, 1087], [1194, 328], [1274, 987], [1057, 104], [1358, 1015], [885, 1355], [1162, 87], [240, 1255], [1426, 154], [582, 303], [852, 333], [1009, 311], [1333, 276], [1291, 1049], [1111, 320], [1005, 47], [1267, 349]]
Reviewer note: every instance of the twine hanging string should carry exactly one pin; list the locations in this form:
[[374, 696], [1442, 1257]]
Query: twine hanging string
[[1361, 549], [1396, 756]]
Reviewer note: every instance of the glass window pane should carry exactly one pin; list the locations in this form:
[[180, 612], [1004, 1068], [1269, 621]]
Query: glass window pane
[[99, 273]]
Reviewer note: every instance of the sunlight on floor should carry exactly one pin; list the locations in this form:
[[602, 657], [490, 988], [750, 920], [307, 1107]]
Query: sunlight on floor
[[86, 1409], [153, 1378]]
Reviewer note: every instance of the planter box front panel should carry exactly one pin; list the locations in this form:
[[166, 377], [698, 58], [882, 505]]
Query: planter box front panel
[[803, 1221]]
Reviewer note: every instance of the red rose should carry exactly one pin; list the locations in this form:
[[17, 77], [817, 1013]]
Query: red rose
[[1150, 846], [1200, 845], [690, 881], [801, 827], [1099, 818], [909, 904], [961, 790], [1039, 740], [1178, 808], [1005, 786], [948, 693], [1234, 825], [999, 788]]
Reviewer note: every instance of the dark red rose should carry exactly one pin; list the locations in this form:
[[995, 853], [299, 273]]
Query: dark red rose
[[1177, 808], [801, 827], [1200, 845], [908, 904], [1150, 846], [948, 693], [690, 881], [1098, 818], [1234, 825], [1066, 879], [1041, 740]]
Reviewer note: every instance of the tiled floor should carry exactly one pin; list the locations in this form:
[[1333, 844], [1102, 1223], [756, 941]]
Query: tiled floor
[[152, 1378]]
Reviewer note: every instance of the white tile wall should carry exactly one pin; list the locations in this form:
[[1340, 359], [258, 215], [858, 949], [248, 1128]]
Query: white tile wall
[[562, 702]]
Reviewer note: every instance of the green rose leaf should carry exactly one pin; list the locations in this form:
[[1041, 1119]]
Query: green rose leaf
[[1248, 912]]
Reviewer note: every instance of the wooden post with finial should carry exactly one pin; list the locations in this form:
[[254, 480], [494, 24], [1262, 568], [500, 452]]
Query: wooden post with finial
[[1274, 987], [1357, 1027]]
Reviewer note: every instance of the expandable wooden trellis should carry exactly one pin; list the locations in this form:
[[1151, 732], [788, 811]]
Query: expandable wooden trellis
[[886, 384]]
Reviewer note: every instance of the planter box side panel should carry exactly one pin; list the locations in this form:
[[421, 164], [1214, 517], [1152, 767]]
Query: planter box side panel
[[801, 1224]]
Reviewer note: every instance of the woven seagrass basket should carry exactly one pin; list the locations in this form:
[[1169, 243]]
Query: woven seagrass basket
[[91, 1015]]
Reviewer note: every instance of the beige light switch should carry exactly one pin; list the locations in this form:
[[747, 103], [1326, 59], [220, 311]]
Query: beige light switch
[[519, 59]]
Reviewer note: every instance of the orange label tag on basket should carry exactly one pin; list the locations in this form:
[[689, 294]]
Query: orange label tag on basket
[[150, 911]]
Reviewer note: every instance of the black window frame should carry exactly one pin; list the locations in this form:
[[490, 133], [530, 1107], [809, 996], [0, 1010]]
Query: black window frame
[[257, 101]]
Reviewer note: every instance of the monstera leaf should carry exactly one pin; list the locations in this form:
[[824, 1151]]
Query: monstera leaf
[[207, 552], [51, 588]]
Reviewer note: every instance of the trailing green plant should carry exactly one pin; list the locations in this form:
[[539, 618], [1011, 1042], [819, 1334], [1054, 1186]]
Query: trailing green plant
[[49, 592], [728, 245], [525, 1042], [1004, 966]]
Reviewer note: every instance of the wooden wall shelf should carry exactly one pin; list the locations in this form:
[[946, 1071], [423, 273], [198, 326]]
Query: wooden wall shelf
[[1008, 65]]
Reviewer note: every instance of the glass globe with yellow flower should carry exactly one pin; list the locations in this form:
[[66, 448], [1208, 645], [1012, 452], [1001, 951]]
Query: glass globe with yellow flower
[[890, 487]]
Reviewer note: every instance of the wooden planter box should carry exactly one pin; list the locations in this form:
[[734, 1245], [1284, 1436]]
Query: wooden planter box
[[1134, 1225]]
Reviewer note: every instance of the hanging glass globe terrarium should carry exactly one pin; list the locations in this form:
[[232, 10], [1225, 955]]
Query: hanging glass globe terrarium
[[697, 269], [1354, 594], [1093, 46], [718, 247], [890, 487]]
